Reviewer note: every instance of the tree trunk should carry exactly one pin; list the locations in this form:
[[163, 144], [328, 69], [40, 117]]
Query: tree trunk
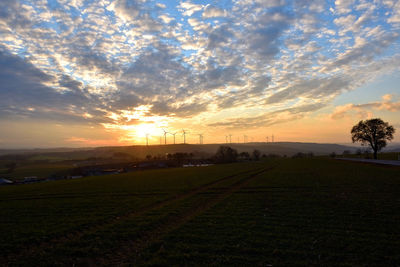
[[376, 154]]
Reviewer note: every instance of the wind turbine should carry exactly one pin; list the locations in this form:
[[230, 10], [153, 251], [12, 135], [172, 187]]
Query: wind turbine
[[184, 135], [244, 138], [230, 138], [165, 136], [226, 138], [200, 139], [272, 138], [174, 136], [267, 139]]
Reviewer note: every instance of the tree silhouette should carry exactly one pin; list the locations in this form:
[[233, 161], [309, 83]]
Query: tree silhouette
[[373, 132], [256, 154], [226, 154], [244, 155]]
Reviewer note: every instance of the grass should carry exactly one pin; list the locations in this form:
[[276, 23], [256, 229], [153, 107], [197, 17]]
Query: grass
[[314, 211], [39, 212], [30, 168], [41, 171], [305, 212]]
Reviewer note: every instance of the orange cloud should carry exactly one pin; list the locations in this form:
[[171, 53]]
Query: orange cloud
[[364, 110]]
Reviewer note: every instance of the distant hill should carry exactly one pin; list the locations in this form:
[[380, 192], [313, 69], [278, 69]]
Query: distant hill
[[279, 148], [41, 150], [392, 148], [139, 151]]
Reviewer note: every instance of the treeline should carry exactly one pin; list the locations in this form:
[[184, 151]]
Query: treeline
[[366, 153], [226, 154]]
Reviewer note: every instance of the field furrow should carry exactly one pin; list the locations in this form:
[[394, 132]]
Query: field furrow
[[281, 212], [130, 251], [74, 237]]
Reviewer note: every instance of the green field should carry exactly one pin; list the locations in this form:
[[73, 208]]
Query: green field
[[282, 212], [40, 170], [383, 156]]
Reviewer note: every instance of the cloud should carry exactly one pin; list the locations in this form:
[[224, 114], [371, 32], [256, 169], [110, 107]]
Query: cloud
[[344, 6], [155, 73], [271, 118], [212, 12], [262, 3], [387, 97], [69, 83], [311, 88], [182, 111], [341, 111], [166, 19], [263, 37], [394, 7], [189, 8], [83, 60], [24, 93], [365, 110], [219, 36], [363, 51]]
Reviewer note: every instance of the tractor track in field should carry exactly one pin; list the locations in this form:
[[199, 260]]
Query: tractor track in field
[[131, 251], [34, 249]]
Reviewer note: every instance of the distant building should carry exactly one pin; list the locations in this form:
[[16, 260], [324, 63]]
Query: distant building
[[196, 165], [5, 181], [30, 179], [76, 176], [109, 171]]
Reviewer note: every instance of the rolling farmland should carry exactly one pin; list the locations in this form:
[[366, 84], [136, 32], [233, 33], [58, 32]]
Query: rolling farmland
[[277, 212]]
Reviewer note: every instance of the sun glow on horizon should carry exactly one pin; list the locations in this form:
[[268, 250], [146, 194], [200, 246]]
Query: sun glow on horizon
[[135, 125], [145, 129]]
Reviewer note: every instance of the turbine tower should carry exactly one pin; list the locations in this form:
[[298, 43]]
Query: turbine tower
[[230, 138], [165, 136], [200, 139], [267, 139], [244, 138], [147, 139], [174, 136], [226, 139], [272, 138], [184, 135]]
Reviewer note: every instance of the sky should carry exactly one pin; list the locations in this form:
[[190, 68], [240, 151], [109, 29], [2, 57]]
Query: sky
[[82, 73]]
